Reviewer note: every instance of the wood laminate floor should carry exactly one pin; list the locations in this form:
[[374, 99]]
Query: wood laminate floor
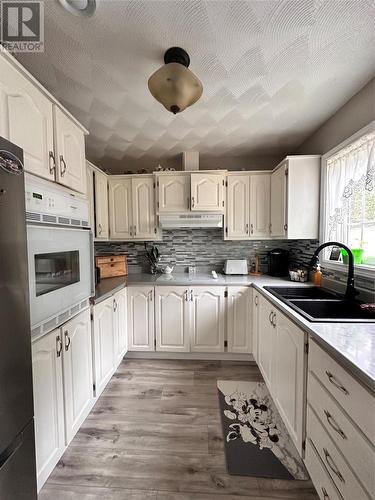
[[155, 434]]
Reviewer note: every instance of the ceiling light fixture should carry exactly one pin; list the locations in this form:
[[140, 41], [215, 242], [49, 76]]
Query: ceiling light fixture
[[85, 8], [174, 85]]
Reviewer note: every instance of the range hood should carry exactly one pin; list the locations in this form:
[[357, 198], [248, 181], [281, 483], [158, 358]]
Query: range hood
[[192, 220]]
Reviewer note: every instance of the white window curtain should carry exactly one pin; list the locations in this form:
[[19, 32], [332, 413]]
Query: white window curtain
[[351, 169]]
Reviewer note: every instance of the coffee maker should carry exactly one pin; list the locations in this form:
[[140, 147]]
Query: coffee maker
[[278, 262]]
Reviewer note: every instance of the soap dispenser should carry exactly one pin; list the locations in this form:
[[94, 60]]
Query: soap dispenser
[[318, 276]]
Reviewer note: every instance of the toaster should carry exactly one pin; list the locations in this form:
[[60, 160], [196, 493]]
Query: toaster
[[235, 266]]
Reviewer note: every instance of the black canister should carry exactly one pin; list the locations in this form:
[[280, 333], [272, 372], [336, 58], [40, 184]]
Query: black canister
[[278, 262]]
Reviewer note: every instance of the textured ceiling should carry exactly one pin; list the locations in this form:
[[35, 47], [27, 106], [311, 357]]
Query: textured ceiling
[[272, 71]]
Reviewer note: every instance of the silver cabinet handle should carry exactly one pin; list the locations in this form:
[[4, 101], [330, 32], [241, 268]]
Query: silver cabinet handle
[[100, 228], [335, 426], [67, 340], [52, 162], [273, 320], [331, 464], [251, 228], [256, 300], [336, 383], [186, 295], [270, 317], [325, 494], [150, 294], [285, 227], [247, 229], [114, 305], [62, 166], [59, 346], [192, 202], [191, 296]]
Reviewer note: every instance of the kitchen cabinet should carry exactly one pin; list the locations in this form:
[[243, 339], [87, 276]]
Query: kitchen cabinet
[[173, 193], [239, 319], [207, 319], [207, 192], [120, 325], [172, 325], [132, 208], [265, 335], [48, 403], [90, 195], [238, 207], [70, 152], [104, 344], [260, 201], [295, 190], [288, 375], [141, 336], [101, 205], [255, 320], [78, 379], [26, 119]]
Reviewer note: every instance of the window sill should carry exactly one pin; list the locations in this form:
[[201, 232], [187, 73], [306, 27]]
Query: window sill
[[359, 269]]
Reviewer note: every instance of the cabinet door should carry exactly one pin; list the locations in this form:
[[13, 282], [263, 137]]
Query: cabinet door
[[26, 119], [120, 325], [101, 206], [255, 323], [70, 152], [90, 194], [266, 337], [141, 318], [78, 382], [103, 344], [207, 319], [144, 217], [239, 319], [207, 192], [278, 202], [48, 403], [173, 193], [171, 319], [120, 208], [237, 215], [260, 206], [288, 376]]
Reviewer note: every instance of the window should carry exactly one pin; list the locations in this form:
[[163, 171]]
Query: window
[[350, 199]]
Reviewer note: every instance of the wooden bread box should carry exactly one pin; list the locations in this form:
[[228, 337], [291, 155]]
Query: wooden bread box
[[112, 265]]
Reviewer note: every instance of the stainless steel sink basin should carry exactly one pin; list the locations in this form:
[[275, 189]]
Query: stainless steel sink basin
[[320, 305]]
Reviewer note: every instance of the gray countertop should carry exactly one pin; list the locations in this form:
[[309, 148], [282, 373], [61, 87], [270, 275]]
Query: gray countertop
[[352, 344]]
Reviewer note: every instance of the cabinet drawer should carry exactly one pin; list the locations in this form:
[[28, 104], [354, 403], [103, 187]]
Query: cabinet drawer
[[349, 393], [347, 437], [114, 269], [110, 259], [338, 469], [320, 477]]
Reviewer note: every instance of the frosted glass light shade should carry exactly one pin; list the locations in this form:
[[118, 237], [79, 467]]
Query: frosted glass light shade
[[175, 87]]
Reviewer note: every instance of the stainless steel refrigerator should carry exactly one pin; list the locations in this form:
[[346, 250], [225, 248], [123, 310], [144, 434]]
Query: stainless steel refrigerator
[[17, 448]]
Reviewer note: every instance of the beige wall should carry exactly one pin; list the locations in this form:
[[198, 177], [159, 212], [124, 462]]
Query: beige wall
[[358, 112]]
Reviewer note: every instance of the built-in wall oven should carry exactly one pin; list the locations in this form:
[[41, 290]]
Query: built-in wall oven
[[60, 254]]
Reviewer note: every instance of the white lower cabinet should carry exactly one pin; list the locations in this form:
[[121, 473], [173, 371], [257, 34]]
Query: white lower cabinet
[[63, 391], [239, 319], [104, 344], [255, 320], [265, 336], [141, 335], [207, 319], [172, 319], [120, 325]]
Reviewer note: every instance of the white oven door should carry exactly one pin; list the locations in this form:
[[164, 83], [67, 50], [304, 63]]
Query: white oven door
[[60, 274]]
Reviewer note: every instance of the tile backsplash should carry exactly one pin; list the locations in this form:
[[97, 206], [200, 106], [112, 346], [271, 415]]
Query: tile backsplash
[[205, 248]]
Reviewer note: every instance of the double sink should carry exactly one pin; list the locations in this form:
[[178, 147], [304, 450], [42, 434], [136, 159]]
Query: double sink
[[316, 304]]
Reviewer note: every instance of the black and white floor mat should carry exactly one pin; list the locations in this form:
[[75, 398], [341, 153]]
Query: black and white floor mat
[[256, 440]]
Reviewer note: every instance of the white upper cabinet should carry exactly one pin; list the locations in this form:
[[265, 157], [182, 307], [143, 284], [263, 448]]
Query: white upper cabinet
[[172, 319], [207, 319], [26, 119], [101, 205], [90, 194], [132, 208], [144, 217], [141, 318], [260, 193], [120, 207], [207, 192], [70, 152], [239, 319], [173, 193], [295, 193], [48, 403], [237, 214], [78, 379]]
